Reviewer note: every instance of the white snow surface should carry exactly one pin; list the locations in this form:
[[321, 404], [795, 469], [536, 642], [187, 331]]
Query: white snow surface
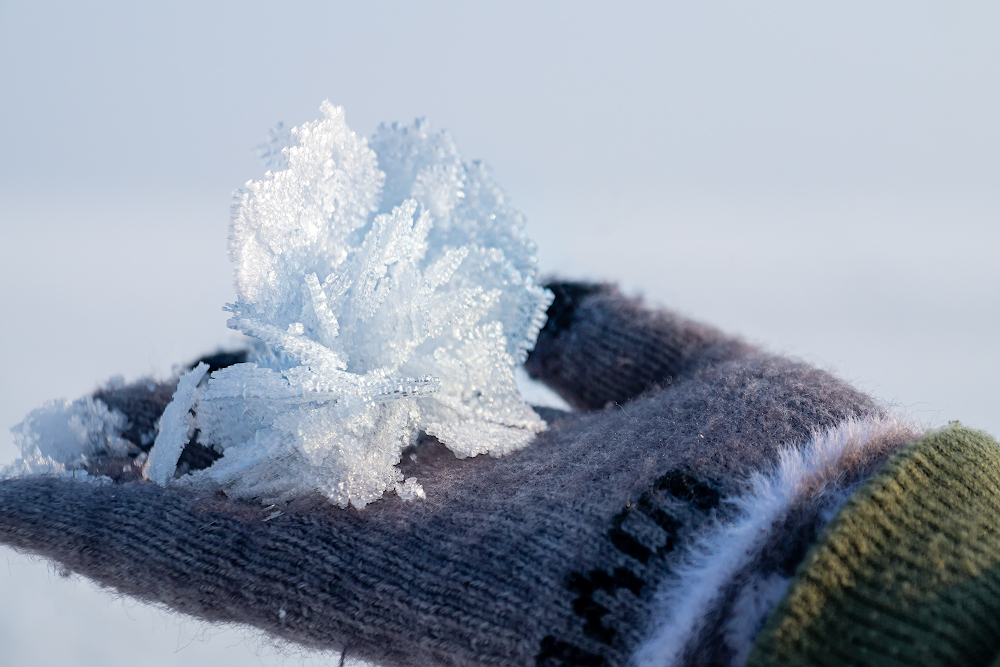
[[390, 290]]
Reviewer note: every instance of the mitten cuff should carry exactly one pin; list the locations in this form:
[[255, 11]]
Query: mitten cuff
[[715, 604], [908, 573]]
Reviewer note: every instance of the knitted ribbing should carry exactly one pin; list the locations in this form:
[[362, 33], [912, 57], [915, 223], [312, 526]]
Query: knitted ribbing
[[908, 573]]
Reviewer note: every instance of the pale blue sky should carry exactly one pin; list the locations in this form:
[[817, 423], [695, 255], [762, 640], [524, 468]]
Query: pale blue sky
[[822, 177]]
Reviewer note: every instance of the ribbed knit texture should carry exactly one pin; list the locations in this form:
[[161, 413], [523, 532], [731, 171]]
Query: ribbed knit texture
[[908, 573], [547, 557]]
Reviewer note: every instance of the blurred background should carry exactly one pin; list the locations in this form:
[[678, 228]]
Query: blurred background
[[819, 177]]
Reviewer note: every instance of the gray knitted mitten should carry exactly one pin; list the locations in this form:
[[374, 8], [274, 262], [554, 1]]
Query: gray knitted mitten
[[549, 556]]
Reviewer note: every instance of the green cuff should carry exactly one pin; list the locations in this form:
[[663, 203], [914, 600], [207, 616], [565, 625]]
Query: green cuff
[[908, 572]]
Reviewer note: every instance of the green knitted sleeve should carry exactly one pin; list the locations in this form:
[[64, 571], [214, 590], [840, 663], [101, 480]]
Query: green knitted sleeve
[[908, 573]]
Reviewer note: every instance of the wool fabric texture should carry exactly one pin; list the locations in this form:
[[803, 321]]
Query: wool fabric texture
[[908, 573]]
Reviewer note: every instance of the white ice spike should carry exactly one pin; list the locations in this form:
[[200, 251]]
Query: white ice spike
[[175, 425]]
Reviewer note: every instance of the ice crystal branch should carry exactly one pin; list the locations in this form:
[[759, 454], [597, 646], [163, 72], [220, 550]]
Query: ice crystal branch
[[174, 430]]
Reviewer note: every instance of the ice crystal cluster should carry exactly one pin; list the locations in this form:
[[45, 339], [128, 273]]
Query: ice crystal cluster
[[390, 291], [64, 437], [390, 288]]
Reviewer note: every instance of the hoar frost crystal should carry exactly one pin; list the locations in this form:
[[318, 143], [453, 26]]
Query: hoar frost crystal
[[390, 290]]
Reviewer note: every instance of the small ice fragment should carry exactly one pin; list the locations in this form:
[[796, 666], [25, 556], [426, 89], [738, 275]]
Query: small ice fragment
[[64, 436], [175, 425], [410, 490]]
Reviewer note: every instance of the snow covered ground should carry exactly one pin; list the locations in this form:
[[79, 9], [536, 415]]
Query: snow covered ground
[[821, 179]]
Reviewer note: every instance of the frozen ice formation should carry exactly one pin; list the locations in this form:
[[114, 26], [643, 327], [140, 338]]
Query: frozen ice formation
[[62, 437], [174, 429], [390, 289]]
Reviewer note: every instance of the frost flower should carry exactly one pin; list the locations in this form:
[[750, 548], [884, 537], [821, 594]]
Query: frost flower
[[390, 290]]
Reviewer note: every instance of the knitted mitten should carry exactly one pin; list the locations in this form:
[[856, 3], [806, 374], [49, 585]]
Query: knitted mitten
[[661, 523]]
